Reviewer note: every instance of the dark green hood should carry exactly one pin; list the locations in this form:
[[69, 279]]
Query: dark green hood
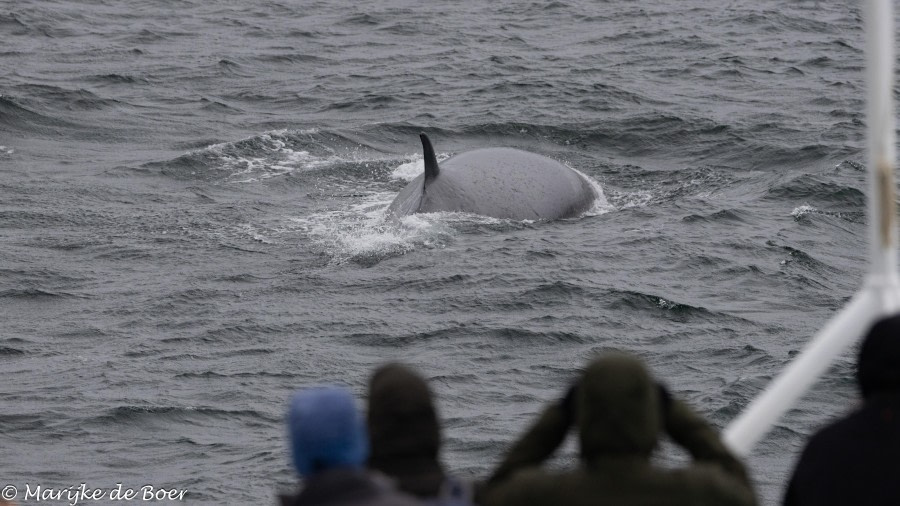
[[618, 408], [404, 431], [620, 412]]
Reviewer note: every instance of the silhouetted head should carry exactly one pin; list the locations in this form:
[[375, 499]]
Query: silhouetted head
[[879, 358], [326, 431], [618, 407], [404, 430]]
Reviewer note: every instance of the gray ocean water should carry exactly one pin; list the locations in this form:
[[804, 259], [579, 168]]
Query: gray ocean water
[[192, 225]]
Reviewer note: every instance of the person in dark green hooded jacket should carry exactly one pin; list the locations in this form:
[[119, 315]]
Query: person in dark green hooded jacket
[[620, 412]]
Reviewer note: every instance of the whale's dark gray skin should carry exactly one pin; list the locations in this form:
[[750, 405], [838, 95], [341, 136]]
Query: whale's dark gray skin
[[498, 182]]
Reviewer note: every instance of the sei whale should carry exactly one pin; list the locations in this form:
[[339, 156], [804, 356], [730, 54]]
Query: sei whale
[[498, 182]]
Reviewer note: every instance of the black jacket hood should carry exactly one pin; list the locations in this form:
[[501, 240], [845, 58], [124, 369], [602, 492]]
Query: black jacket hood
[[879, 359], [404, 430]]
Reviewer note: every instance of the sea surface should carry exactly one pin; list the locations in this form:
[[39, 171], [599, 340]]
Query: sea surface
[[192, 225]]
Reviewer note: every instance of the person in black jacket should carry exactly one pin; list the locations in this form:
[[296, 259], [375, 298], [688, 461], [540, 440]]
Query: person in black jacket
[[405, 434], [330, 447], [856, 460]]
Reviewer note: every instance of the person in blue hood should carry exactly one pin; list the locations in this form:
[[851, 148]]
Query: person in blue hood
[[856, 460], [329, 447]]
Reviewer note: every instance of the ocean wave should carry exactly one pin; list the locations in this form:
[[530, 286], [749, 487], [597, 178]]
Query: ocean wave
[[114, 78], [803, 214], [9, 351], [803, 259], [18, 117], [372, 101], [482, 333], [269, 155], [557, 294], [640, 187], [15, 423], [818, 189], [736, 216], [800, 212], [40, 293], [54, 97], [165, 415], [14, 23], [524, 336], [361, 19], [664, 307]]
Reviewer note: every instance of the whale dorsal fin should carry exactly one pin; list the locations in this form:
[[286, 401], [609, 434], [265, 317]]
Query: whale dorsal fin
[[431, 165]]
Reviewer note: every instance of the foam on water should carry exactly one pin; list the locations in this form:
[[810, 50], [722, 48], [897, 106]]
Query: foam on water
[[639, 198], [255, 233], [601, 204], [277, 153], [270, 157], [411, 170], [362, 232], [805, 211], [662, 187], [801, 211]]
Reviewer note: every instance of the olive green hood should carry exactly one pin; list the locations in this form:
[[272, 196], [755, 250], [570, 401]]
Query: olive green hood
[[618, 408]]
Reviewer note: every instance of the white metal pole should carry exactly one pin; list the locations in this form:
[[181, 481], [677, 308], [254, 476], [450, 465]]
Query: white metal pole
[[879, 23], [788, 386], [880, 293]]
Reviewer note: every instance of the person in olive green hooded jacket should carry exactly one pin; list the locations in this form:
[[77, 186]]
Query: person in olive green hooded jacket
[[620, 412]]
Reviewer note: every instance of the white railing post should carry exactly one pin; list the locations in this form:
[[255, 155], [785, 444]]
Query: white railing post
[[880, 293]]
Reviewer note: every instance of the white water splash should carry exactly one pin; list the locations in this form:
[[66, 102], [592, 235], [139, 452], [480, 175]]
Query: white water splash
[[411, 170], [276, 158], [802, 211], [363, 232], [634, 198], [255, 233], [272, 154], [601, 204]]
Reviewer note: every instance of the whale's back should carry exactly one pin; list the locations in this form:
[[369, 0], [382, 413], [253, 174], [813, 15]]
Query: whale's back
[[508, 183], [498, 182]]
